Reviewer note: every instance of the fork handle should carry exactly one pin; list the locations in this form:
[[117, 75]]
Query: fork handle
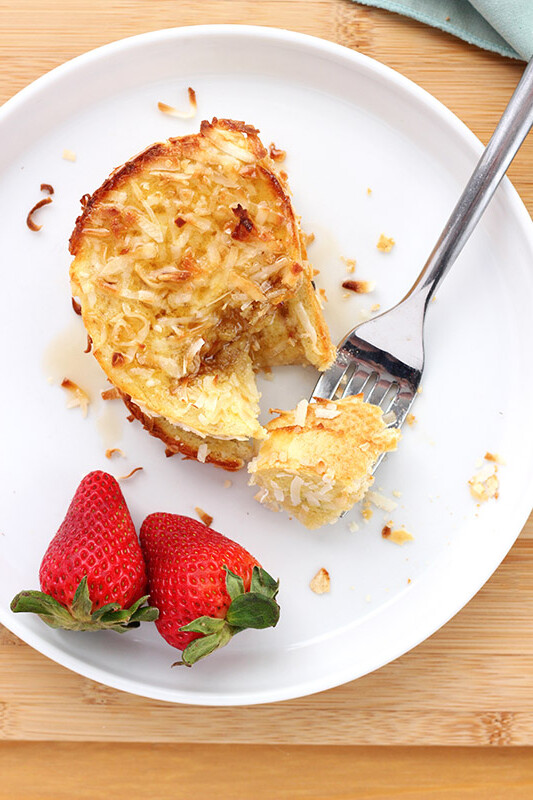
[[511, 131]]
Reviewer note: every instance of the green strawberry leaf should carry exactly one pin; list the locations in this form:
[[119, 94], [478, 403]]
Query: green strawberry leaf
[[78, 617], [234, 583], [263, 583], [144, 614], [206, 625], [200, 648], [104, 610], [38, 603], [82, 604], [253, 610], [138, 603]]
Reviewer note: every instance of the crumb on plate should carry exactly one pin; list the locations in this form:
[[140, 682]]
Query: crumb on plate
[[484, 484], [359, 287], [206, 518], [133, 471], [385, 243], [397, 535], [113, 451], [320, 584], [174, 112], [78, 396], [380, 501]]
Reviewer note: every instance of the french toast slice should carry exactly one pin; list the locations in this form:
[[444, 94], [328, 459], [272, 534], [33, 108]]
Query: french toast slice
[[191, 272], [316, 461]]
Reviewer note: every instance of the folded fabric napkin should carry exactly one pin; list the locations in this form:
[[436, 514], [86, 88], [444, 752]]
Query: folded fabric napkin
[[505, 26]]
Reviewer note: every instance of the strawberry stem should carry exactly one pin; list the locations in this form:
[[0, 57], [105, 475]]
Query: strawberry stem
[[80, 617], [254, 609]]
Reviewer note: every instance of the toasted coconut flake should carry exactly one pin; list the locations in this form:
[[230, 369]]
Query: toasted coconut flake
[[385, 243], [201, 455], [117, 360], [110, 394], [76, 306], [301, 413], [89, 344], [321, 583], [47, 187], [359, 287], [380, 501], [125, 477], [295, 490], [206, 518], [29, 219], [326, 413], [484, 485], [247, 286], [497, 459], [306, 323], [399, 536], [350, 264], [275, 153], [174, 112], [113, 451], [78, 397], [227, 484]]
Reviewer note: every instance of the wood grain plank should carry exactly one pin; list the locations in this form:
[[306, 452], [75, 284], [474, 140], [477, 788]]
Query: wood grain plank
[[468, 684], [98, 772]]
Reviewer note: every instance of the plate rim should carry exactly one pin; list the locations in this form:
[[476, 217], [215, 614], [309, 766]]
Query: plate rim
[[517, 209]]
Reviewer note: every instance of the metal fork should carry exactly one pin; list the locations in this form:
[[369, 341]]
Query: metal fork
[[384, 357]]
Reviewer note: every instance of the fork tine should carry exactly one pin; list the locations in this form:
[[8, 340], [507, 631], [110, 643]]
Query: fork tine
[[358, 382], [379, 391], [330, 380], [390, 396]]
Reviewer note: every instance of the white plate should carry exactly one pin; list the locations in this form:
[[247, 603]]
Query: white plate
[[347, 123]]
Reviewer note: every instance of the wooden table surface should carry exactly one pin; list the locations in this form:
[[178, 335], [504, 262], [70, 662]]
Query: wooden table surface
[[469, 684]]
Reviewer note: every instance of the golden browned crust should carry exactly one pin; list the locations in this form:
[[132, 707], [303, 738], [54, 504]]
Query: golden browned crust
[[136, 166], [191, 271], [226, 454]]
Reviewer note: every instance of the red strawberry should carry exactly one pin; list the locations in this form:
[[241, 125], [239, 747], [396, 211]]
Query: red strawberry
[[207, 587], [92, 575]]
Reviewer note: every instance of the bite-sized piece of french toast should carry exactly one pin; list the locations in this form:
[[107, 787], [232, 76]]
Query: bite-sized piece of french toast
[[317, 460], [191, 273]]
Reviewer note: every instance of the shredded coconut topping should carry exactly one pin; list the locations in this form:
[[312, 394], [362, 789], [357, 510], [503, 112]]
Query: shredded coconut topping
[[301, 413], [78, 396], [174, 112], [202, 452]]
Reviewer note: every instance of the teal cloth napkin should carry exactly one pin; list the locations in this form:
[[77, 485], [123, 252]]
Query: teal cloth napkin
[[505, 26]]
